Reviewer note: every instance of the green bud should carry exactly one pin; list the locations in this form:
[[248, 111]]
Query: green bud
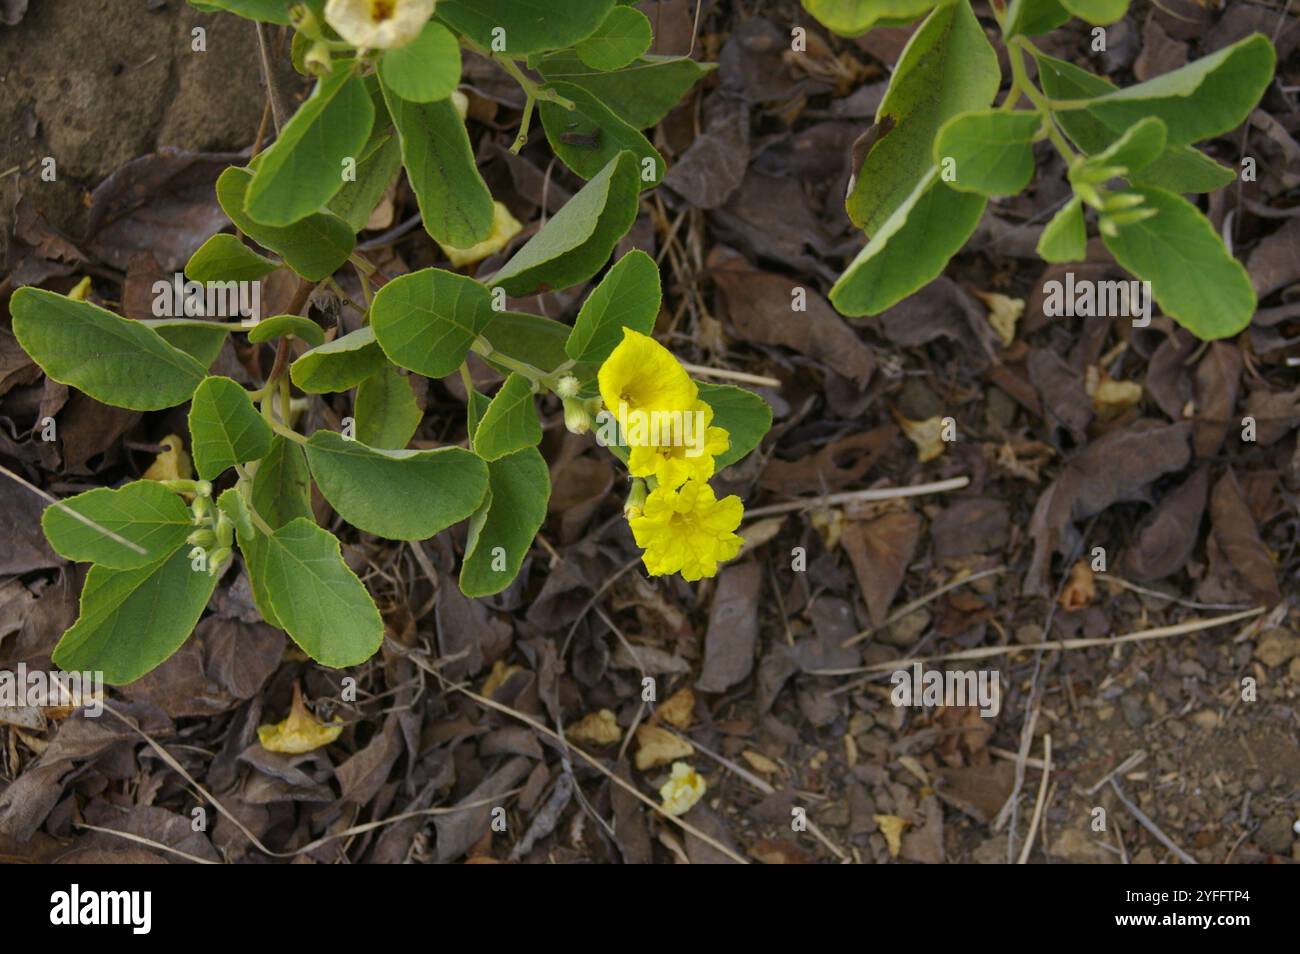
[[225, 530], [201, 538], [217, 560], [576, 418], [1121, 201], [567, 386], [635, 500]]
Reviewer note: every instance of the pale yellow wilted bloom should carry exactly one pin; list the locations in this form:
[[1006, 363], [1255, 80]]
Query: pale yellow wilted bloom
[[504, 227], [300, 732], [683, 789], [378, 24]]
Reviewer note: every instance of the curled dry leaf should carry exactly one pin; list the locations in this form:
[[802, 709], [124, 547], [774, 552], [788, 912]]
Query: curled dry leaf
[[1004, 312], [678, 710], [596, 728], [656, 746], [1080, 589], [1110, 397], [891, 826]]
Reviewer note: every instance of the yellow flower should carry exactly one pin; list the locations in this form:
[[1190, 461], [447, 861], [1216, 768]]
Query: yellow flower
[[641, 376], [689, 455], [683, 789], [378, 24], [504, 227], [688, 530]]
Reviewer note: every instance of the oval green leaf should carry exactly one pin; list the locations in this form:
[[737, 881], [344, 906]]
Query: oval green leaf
[[224, 258], [510, 422], [339, 364], [503, 530], [317, 599], [114, 360], [398, 495], [425, 70], [132, 526], [225, 428], [425, 321]]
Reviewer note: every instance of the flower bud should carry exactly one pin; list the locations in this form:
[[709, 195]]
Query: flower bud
[[635, 500], [576, 418], [567, 387], [201, 538], [217, 560]]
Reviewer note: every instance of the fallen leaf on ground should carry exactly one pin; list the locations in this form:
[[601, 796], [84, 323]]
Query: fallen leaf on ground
[[596, 728], [656, 746], [891, 826]]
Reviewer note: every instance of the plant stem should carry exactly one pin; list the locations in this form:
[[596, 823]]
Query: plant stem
[[1021, 83], [483, 347]]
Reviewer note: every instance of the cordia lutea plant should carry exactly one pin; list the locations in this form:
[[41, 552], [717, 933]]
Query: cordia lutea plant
[[384, 101], [939, 150]]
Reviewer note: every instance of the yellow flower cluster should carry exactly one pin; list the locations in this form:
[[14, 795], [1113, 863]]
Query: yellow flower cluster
[[682, 525]]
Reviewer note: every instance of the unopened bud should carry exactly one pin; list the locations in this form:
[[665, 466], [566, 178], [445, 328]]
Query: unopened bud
[[635, 503], [201, 538], [217, 560], [576, 418], [567, 386]]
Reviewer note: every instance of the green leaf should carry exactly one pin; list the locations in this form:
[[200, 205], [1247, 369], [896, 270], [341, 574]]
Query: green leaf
[[910, 249], [1192, 276], [132, 620], [339, 364], [426, 69], [1065, 238], [641, 93], [510, 422], [622, 36], [992, 150], [1100, 12], [303, 168], [386, 409], [224, 258], [282, 484], [253, 546], [1032, 17], [201, 339], [531, 339], [425, 321], [1139, 146], [313, 247], [502, 531], [1205, 98], [114, 360], [589, 136], [526, 26], [318, 601], [268, 11], [375, 173], [947, 68], [225, 428], [578, 239], [627, 297], [283, 326], [1184, 169], [454, 202], [133, 526], [398, 495], [745, 416], [855, 17]]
